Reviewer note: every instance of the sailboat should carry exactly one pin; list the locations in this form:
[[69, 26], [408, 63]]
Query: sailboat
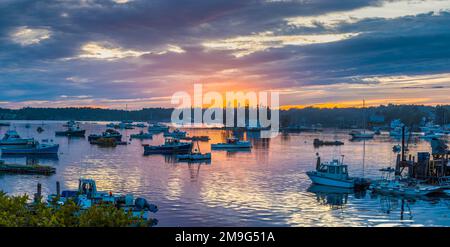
[[362, 135]]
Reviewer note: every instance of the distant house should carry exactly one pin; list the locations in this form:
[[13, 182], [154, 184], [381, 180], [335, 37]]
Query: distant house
[[378, 119]]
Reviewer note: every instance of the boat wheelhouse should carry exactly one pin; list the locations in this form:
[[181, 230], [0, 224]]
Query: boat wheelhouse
[[12, 138]]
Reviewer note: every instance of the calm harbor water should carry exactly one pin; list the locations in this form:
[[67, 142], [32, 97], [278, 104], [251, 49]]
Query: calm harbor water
[[266, 186]]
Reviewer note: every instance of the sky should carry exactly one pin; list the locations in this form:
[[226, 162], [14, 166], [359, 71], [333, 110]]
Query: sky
[[136, 53]]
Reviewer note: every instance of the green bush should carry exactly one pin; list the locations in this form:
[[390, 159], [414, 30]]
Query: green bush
[[15, 211]]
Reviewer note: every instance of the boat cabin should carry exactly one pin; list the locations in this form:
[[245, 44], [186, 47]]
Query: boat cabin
[[335, 167], [87, 187]]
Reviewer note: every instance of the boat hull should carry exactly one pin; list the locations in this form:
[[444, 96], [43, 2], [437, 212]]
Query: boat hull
[[322, 180], [33, 150], [79, 133]]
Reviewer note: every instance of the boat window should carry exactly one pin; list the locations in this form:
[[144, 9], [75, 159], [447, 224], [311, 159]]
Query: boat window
[[331, 169]]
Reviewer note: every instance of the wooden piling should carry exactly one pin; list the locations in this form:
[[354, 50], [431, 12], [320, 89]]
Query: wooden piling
[[58, 189]]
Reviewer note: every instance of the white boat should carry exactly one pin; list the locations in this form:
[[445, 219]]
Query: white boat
[[431, 135], [335, 174], [361, 135], [394, 185], [232, 143]]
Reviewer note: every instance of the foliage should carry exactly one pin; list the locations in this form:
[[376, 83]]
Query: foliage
[[15, 211]]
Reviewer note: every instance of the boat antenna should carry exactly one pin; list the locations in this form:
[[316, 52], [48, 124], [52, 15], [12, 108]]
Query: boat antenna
[[342, 160]]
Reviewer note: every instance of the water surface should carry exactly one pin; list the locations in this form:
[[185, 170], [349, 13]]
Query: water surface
[[266, 186]]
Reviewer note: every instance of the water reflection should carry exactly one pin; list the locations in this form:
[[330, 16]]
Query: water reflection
[[264, 186]]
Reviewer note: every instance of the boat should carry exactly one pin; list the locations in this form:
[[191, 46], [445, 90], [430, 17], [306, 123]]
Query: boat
[[5, 124], [39, 129], [232, 143], [141, 135], [140, 125], [125, 125], [111, 125], [70, 123], [195, 155], [12, 138], [175, 134], [396, 129], [335, 173], [156, 128], [431, 135], [170, 146], [26, 169], [87, 196], [317, 143], [362, 134], [72, 131], [33, 147], [27, 125], [395, 185], [108, 134], [197, 138]]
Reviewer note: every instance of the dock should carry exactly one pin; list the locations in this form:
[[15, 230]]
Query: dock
[[26, 169]]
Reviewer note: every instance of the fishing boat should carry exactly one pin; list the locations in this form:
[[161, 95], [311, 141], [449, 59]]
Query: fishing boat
[[108, 134], [73, 130], [156, 128], [5, 124], [175, 134], [197, 138], [87, 196], [317, 143], [26, 169], [335, 173], [390, 184], [232, 143], [32, 147], [195, 155], [12, 138], [39, 129], [141, 135], [111, 125], [170, 146], [361, 134]]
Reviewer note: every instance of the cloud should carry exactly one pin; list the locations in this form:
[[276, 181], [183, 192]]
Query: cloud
[[386, 10], [106, 51], [26, 36], [245, 45]]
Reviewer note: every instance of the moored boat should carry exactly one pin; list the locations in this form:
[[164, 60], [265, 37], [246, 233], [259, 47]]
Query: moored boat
[[195, 155], [26, 169], [335, 173], [72, 131], [158, 128], [108, 134], [175, 134], [170, 146], [317, 143], [141, 135], [87, 196], [232, 143], [12, 138], [33, 147]]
